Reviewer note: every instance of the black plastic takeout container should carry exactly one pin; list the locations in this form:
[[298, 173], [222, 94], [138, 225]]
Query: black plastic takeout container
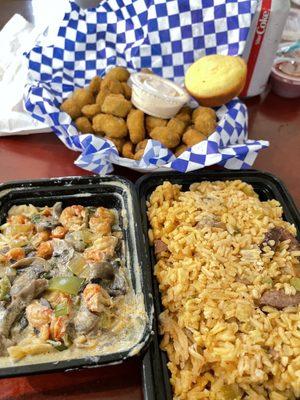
[[156, 376], [110, 192]]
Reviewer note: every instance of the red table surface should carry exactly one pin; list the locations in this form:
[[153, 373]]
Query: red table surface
[[43, 155]]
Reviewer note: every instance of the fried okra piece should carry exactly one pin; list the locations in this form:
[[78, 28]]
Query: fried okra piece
[[128, 149], [141, 145], [83, 125], [118, 73], [95, 84], [83, 97], [101, 96], [136, 126], [184, 115], [112, 85], [146, 71], [204, 111], [91, 110], [205, 124], [112, 126], [192, 137], [176, 126], [153, 122], [139, 154], [180, 149], [165, 136], [126, 90], [116, 105], [71, 107], [118, 142]]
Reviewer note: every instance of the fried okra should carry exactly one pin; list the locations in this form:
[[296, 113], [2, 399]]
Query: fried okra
[[192, 137], [180, 149], [116, 105], [136, 126], [176, 126], [118, 142], [139, 154], [153, 122], [83, 97], [83, 125], [101, 96], [126, 90], [205, 124], [146, 71], [141, 145], [184, 115], [118, 73], [95, 84], [112, 126], [71, 107], [91, 110], [165, 136], [204, 111], [112, 85], [128, 150]]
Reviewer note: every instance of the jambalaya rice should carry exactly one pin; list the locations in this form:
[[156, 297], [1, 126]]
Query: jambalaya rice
[[215, 260]]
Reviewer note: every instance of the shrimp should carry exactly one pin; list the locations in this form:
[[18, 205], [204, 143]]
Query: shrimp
[[39, 317], [96, 298], [16, 253], [59, 232], [45, 250], [47, 211], [18, 226], [58, 327], [56, 297], [40, 237], [102, 221], [102, 249], [17, 219], [73, 217]]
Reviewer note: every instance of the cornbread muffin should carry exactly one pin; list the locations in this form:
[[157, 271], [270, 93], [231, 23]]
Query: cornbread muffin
[[214, 80]]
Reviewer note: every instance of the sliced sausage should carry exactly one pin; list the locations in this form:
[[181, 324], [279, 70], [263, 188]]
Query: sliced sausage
[[273, 235], [278, 235], [159, 246], [278, 299], [294, 244]]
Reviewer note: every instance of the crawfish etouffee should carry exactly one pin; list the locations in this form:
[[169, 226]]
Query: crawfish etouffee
[[64, 287], [229, 275]]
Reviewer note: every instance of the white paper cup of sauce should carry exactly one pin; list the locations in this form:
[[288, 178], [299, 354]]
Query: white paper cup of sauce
[[157, 96]]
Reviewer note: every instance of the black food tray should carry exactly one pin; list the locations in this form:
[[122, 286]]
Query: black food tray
[[156, 375], [110, 192]]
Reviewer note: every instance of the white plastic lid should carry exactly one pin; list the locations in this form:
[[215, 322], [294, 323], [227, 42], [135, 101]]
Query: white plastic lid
[[291, 29], [157, 96]]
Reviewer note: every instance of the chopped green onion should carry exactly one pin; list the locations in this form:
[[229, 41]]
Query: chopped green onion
[[67, 340], [61, 309], [268, 280], [77, 265], [229, 392], [4, 288], [36, 218], [66, 284], [105, 321], [57, 345], [296, 283]]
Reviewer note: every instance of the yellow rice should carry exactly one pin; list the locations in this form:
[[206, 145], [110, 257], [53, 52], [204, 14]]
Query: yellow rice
[[220, 344]]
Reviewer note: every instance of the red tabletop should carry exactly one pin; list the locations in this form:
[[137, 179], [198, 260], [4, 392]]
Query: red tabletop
[[43, 155]]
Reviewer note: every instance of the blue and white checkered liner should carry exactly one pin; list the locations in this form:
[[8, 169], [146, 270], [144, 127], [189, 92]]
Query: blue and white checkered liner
[[166, 36]]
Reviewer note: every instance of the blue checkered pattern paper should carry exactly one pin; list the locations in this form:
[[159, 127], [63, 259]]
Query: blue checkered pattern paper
[[165, 36]]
